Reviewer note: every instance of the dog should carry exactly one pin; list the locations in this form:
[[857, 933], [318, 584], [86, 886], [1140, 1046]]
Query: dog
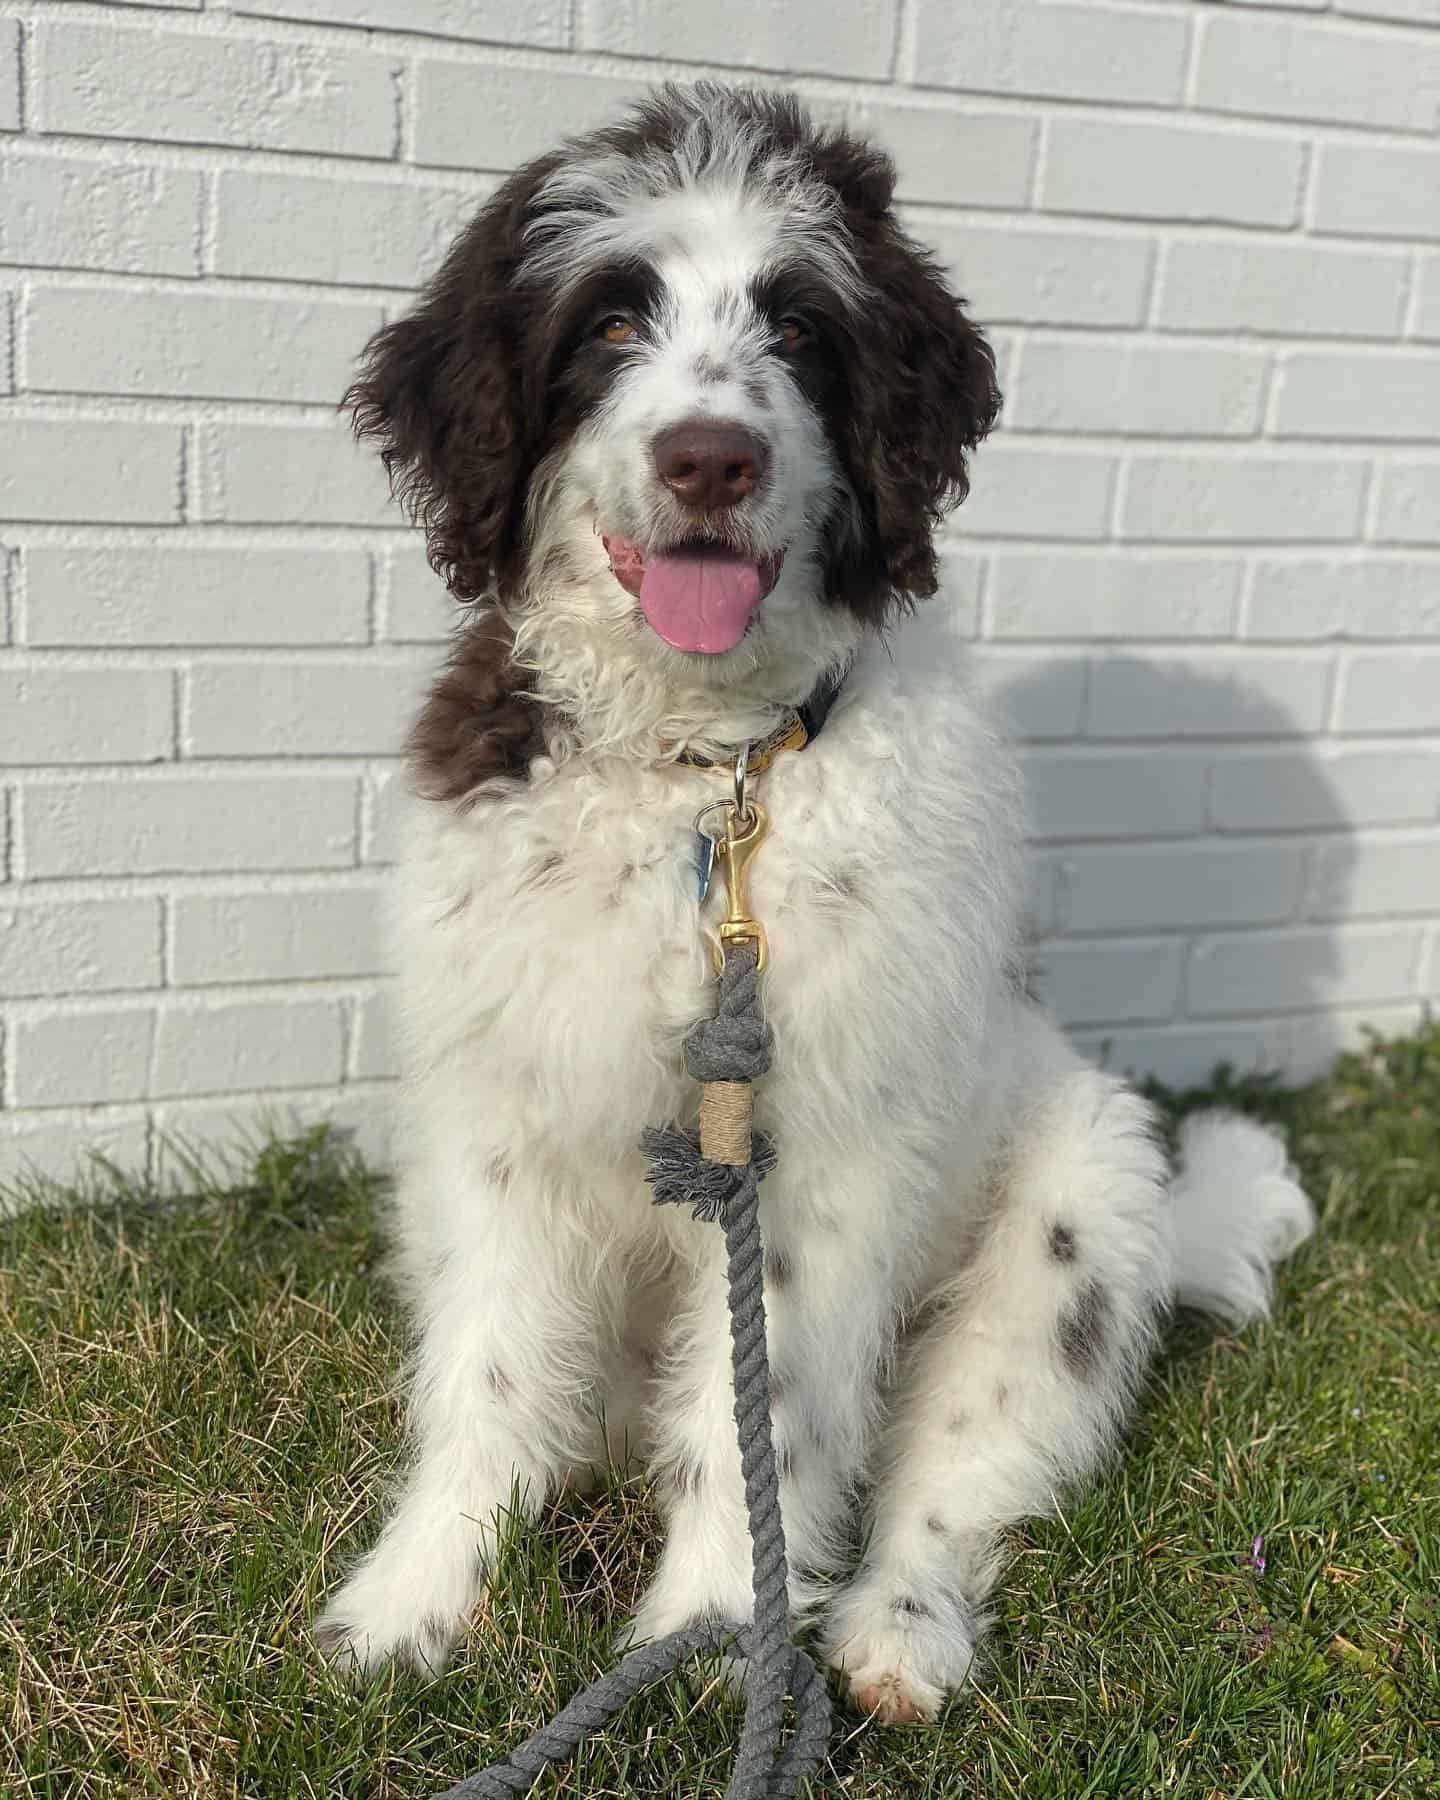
[[681, 413]]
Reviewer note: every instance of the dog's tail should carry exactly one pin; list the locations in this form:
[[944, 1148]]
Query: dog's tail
[[1236, 1210]]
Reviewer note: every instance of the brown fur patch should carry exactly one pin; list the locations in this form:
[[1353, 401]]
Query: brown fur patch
[[1062, 1243], [908, 1607], [481, 722], [1083, 1328], [779, 1270]]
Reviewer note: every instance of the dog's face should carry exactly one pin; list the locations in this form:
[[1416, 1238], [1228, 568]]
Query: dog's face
[[687, 384]]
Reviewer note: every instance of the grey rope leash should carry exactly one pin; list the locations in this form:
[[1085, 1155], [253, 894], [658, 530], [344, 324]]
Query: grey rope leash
[[726, 1053]]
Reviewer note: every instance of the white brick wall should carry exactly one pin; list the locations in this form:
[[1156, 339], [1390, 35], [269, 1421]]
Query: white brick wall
[[1201, 562]]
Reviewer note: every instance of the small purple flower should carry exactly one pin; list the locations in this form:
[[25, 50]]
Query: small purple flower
[[1257, 1555]]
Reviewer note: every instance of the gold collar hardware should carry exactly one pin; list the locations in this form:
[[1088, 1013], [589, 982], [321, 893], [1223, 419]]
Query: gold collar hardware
[[801, 726], [791, 734], [744, 835]]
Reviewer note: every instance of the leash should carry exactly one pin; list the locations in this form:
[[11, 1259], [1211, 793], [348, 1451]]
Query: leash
[[717, 1172]]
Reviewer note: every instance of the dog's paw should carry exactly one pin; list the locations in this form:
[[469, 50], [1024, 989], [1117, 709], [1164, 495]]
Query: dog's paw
[[900, 1661], [719, 1675], [371, 1623]]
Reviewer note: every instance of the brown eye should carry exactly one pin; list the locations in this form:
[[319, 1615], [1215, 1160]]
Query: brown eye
[[794, 333], [616, 329]]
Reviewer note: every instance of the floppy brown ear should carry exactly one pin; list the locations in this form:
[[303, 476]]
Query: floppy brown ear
[[922, 396], [440, 391]]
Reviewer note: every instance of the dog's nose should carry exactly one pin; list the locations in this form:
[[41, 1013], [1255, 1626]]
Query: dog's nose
[[709, 465]]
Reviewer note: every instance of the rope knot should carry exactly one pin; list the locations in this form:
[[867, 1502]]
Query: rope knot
[[737, 1044]]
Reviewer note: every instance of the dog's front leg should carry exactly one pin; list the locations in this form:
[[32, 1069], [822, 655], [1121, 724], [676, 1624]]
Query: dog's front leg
[[830, 1302], [504, 1406]]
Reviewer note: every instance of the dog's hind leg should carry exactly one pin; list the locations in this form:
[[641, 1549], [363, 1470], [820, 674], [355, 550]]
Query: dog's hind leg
[[1020, 1385], [1015, 1390]]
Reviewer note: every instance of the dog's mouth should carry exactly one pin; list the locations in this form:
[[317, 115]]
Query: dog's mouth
[[698, 594]]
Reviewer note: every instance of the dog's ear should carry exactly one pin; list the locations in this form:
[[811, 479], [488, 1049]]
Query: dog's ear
[[922, 395], [440, 391]]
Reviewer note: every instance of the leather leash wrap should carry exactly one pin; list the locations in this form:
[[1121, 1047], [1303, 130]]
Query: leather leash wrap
[[687, 1169]]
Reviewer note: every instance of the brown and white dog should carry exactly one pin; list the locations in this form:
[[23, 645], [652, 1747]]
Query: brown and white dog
[[680, 414]]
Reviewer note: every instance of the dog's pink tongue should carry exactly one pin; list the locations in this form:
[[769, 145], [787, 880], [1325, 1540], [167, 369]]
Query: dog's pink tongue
[[700, 599]]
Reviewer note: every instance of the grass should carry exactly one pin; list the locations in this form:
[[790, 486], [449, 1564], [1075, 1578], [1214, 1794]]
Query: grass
[[199, 1407]]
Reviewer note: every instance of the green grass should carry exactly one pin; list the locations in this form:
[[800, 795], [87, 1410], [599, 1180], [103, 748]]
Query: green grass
[[199, 1408]]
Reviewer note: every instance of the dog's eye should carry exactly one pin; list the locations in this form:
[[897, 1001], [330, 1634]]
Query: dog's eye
[[615, 328], [794, 333]]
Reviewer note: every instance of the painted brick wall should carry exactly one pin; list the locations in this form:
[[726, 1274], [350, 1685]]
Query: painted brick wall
[[1201, 563]]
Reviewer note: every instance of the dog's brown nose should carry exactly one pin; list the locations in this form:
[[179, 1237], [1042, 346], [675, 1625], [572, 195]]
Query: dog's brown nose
[[708, 464]]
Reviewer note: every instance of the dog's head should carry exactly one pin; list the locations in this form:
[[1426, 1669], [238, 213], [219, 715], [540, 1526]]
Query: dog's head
[[687, 385]]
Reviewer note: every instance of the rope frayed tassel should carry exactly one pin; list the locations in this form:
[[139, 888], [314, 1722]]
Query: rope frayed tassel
[[682, 1175]]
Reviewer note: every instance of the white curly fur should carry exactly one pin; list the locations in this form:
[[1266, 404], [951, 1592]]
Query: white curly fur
[[969, 1233]]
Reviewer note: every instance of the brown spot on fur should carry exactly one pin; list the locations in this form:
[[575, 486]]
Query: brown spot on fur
[[755, 393], [936, 1524], [499, 1171], [482, 722], [708, 372], [1082, 1330], [1002, 1396], [1062, 1243], [906, 1606], [779, 1270]]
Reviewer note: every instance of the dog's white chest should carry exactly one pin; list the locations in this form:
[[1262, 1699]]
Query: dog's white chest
[[561, 957], [557, 953]]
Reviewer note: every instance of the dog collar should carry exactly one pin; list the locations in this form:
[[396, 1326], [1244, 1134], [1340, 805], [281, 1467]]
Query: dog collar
[[800, 726]]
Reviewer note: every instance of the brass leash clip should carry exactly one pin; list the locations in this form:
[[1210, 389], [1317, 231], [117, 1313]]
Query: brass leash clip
[[744, 834]]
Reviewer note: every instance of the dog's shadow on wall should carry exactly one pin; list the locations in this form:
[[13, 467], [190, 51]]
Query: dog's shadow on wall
[[1187, 844], [1190, 858]]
